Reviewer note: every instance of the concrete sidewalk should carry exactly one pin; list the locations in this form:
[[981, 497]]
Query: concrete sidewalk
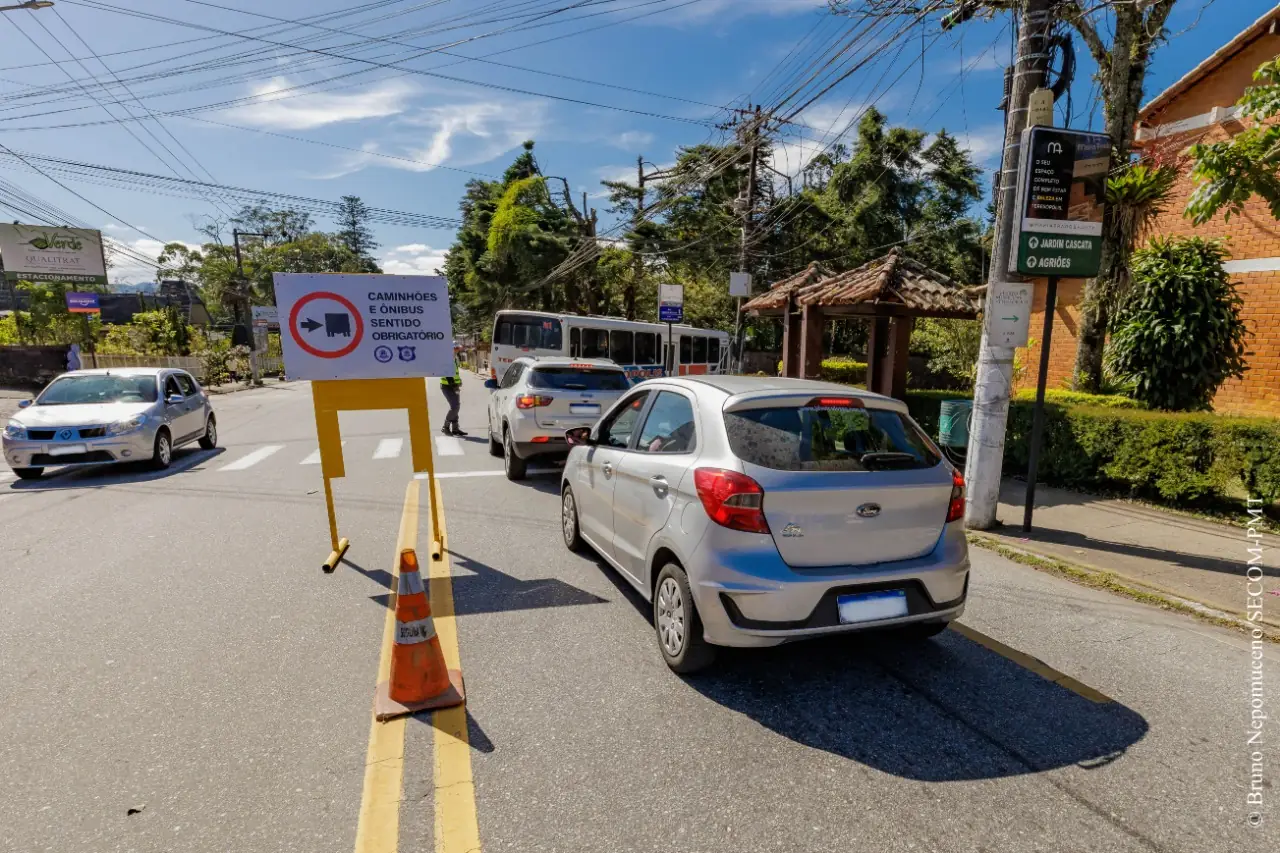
[[1162, 551]]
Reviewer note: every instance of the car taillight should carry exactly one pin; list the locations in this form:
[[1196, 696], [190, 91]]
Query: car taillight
[[529, 401], [731, 499], [493, 373], [955, 510]]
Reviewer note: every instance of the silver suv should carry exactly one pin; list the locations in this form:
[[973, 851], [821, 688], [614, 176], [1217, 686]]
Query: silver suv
[[754, 511], [538, 399], [102, 416]]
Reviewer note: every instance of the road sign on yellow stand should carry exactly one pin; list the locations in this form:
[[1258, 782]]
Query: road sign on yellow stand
[[348, 395], [366, 342]]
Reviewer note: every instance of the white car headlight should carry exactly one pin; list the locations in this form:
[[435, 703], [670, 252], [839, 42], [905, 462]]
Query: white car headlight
[[122, 427], [15, 431]]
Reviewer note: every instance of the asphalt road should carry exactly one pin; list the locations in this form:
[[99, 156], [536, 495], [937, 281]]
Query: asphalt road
[[168, 644]]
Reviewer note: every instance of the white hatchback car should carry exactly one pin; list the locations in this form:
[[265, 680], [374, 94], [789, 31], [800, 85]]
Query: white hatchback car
[[538, 399], [753, 511]]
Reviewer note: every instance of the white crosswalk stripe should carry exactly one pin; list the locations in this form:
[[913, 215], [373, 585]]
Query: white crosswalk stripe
[[389, 448], [251, 459], [314, 458], [449, 445]]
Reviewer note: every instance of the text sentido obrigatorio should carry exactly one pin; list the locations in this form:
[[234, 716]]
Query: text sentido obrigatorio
[[396, 316]]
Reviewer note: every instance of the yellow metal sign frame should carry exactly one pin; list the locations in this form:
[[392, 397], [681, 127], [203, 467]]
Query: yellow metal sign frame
[[331, 396]]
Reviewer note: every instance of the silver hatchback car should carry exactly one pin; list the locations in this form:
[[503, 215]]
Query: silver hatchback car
[[753, 511], [105, 416]]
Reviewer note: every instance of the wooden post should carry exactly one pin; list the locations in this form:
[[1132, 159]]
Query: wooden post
[[811, 325], [791, 343], [899, 349], [877, 347]]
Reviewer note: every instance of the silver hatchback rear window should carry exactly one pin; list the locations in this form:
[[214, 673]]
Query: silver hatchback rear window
[[828, 438]]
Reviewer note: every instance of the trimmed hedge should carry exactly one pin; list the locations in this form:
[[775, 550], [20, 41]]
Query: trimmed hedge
[[1179, 459], [1079, 398], [844, 370]]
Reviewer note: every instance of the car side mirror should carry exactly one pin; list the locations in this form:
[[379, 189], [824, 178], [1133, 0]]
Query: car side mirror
[[579, 436], [491, 384], [25, 403], [175, 399]]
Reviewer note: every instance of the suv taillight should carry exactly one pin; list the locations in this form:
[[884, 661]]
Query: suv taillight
[[529, 401], [955, 510], [731, 499]]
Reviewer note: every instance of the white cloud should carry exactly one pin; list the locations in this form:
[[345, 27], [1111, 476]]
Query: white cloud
[[413, 259], [994, 58], [127, 270], [984, 143], [459, 135], [633, 139], [278, 108]]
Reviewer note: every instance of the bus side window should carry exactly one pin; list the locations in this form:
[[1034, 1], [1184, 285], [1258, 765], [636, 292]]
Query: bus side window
[[699, 350], [646, 348], [595, 343], [504, 334], [621, 349], [713, 351], [686, 349], [575, 343]]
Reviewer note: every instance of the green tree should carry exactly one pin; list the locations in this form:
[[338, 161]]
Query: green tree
[[1180, 335], [354, 231], [1233, 171]]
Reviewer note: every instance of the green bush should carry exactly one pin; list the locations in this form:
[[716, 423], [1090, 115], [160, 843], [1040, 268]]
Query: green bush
[[1079, 398], [1179, 336], [844, 370], [1178, 459]]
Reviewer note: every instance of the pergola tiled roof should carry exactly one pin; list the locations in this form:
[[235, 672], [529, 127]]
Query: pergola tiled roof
[[892, 283], [890, 292]]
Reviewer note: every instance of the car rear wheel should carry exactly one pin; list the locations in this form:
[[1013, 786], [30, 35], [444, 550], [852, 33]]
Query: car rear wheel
[[513, 465], [495, 446], [210, 438], [163, 453], [28, 473], [676, 621], [921, 631], [569, 521]]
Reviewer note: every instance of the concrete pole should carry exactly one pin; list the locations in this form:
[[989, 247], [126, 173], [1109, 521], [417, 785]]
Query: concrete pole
[[994, 384]]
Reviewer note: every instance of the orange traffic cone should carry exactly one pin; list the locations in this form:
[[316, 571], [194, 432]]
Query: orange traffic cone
[[419, 678]]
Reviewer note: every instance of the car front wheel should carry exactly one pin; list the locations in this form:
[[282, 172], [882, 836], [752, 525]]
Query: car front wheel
[[28, 473], [163, 454], [569, 521], [676, 621]]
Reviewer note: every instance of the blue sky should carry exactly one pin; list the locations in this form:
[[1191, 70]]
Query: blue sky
[[388, 135]]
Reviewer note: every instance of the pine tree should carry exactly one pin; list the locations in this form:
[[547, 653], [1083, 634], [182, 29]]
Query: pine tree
[[353, 228]]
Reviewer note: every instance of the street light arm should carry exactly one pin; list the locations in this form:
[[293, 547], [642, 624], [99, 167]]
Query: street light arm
[[30, 4]]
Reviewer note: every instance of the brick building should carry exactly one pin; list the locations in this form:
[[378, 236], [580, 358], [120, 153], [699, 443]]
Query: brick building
[[1200, 107]]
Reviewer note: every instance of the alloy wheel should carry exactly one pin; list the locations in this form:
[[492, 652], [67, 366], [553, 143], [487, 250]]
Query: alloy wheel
[[671, 616]]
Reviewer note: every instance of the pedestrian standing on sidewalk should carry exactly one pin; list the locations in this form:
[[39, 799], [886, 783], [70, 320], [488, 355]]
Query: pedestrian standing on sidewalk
[[452, 388]]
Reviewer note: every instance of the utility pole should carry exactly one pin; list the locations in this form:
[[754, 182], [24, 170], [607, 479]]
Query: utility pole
[[752, 140], [242, 304], [637, 260], [994, 384]]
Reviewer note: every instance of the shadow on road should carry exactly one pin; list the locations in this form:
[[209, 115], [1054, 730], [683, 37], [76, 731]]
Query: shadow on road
[[487, 590], [940, 710], [123, 473]]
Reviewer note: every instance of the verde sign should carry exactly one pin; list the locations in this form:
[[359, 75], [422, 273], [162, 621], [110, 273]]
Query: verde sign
[[1062, 179], [42, 253]]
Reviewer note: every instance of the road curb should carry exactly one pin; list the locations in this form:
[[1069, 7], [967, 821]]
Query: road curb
[[1115, 582]]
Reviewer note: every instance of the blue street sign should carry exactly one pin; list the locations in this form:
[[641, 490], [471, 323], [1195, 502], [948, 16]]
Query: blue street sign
[[671, 313], [82, 303]]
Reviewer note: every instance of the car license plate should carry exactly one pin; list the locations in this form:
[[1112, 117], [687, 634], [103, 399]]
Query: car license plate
[[67, 449], [584, 408], [872, 606]]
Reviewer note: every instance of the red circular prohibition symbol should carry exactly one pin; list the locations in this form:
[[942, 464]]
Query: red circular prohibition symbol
[[319, 353]]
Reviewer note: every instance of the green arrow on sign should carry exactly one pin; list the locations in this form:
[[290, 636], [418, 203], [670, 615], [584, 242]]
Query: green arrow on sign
[[1009, 318]]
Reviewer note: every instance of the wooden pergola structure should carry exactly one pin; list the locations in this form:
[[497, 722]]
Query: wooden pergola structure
[[890, 291]]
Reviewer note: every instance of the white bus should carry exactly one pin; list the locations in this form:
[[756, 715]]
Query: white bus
[[639, 348]]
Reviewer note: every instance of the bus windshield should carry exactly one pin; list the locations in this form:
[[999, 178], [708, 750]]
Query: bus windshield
[[528, 332]]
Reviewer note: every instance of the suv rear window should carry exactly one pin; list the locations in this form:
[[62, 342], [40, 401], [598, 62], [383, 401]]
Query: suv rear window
[[579, 379], [818, 438]]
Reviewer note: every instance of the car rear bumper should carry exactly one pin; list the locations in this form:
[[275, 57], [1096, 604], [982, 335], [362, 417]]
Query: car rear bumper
[[525, 428], [132, 447], [747, 596]]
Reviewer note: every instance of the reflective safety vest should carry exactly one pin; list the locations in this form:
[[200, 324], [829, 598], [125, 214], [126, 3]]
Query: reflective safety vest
[[454, 380]]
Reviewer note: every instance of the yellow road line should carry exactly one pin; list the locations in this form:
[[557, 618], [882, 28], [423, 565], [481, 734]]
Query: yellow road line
[[457, 828], [1027, 662], [379, 828]]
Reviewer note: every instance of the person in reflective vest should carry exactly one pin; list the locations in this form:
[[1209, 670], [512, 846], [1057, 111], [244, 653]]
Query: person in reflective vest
[[452, 388]]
